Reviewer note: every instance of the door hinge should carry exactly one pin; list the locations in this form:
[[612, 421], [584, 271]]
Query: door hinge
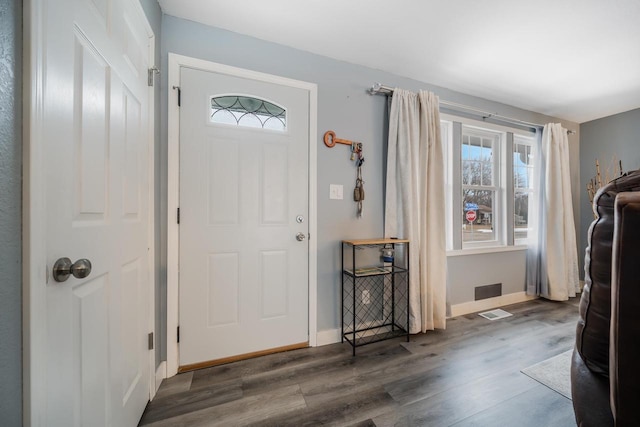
[[178, 216], [179, 93], [178, 334], [150, 74], [150, 340]]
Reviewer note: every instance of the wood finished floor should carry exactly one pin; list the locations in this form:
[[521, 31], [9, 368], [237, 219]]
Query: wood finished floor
[[466, 375]]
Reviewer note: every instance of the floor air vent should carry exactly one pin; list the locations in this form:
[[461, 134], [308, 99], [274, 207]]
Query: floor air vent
[[495, 314]]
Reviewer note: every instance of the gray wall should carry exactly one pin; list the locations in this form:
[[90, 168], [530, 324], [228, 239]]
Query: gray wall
[[601, 139], [345, 107], [11, 212], [507, 268], [154, 16]]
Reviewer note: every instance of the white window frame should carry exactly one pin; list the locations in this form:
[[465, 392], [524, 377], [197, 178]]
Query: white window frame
[[497, 185], [451, 131]]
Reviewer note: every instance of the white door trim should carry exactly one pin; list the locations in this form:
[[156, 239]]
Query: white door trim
[[34, 215], [173, 189], [153, 383]]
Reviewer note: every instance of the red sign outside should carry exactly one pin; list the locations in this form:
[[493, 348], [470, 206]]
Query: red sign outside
[[471, 216]]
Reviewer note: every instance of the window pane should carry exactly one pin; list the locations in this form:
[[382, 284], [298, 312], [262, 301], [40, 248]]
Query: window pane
[[471, 172], [523, 166], [486, 151], [275, 123], [224, 116], [477, 164], [520, 177], [486, 156], [246, 111], [487, 173], [481, 203], [521, 215], [249, 120]]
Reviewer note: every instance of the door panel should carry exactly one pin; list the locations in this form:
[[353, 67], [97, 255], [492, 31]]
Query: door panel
[[91, 86], [224, 287], [94, 120], [274, 194], [274, 284], [243, 274], [223, 182], [134, 154], [91, 349]]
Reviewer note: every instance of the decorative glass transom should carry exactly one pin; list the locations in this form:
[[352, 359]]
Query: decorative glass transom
[[246, 111]]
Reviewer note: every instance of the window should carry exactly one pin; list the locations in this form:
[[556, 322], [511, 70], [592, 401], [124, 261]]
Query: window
[[480, 158], [490, 183], [246, 111], [523, 188]]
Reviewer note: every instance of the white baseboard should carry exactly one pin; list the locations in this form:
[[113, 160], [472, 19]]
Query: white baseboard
[[489, 303], [328, 336], [332, 336]]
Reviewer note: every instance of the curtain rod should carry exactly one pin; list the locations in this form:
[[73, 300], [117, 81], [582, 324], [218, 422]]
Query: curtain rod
[[380, 89]]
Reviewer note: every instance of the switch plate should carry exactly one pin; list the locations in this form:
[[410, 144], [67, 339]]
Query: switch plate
[[336, 192]]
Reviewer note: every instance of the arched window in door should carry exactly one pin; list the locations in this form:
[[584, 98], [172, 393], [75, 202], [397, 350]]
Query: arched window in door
[[248, 111]]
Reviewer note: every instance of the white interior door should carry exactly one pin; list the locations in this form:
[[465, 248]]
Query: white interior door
[[244, 204], [95, 137]]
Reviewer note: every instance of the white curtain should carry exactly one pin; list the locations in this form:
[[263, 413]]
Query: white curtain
[[415, 205], [552, 260]]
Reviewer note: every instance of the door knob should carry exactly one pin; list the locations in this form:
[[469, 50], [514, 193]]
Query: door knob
[[63, 268], [300, 237]]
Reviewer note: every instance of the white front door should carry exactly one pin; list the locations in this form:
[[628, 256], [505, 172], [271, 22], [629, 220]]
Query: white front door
[[244, 204], [94, 133]]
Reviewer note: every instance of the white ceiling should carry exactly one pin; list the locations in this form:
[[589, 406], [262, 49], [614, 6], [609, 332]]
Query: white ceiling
[[574, 59]]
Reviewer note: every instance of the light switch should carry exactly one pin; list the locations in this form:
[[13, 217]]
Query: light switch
[[336, 192]]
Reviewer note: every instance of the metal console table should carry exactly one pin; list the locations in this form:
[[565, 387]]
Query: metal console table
[[375, 290]]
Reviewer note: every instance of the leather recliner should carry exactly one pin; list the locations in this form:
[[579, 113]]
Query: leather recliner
[[605, 367]]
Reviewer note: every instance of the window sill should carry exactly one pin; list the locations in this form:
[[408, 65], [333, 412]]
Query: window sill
[[486, 250]]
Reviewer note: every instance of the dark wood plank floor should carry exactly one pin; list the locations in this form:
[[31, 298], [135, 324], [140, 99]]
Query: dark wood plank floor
[[466, 375]]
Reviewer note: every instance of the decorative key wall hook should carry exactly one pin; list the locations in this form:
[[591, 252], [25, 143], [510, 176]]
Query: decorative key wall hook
[[330, 141]]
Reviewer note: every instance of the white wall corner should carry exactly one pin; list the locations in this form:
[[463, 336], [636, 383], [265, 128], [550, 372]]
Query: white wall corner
[[328, 336], [161, 374]]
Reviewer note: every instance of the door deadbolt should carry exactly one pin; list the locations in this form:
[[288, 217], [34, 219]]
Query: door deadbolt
[[63, 268]]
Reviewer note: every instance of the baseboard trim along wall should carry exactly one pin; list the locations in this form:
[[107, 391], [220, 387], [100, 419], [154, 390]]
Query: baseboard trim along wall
[[328, 336], [332, 336], [489, 303]]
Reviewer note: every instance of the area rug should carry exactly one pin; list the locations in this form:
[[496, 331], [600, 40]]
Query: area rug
[[555, 373]]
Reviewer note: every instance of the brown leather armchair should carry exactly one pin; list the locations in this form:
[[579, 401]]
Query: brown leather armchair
[[605, 368]]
